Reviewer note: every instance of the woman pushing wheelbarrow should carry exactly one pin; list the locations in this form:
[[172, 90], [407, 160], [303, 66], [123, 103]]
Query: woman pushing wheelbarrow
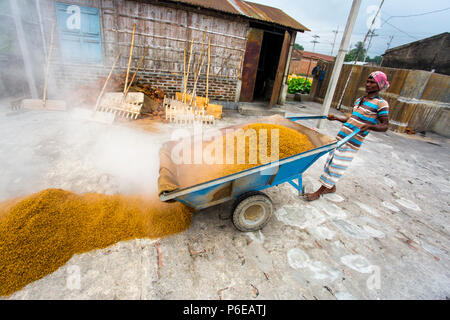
[[370, 112]]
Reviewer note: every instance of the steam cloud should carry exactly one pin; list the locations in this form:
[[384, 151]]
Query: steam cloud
[[55, 150]]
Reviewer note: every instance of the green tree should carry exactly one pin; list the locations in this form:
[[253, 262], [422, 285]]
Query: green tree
[[376, 59], [358, 50], [298, 46]]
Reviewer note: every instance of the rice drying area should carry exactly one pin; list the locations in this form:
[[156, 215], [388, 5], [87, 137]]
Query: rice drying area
[[94, 205], [111, 199], [80, 218]]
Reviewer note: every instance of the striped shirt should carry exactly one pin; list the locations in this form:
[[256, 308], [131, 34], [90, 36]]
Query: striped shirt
[[368, 111]]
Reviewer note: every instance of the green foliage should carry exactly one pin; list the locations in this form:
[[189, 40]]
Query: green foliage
[[351, 56], [298, 46], [376, 59], [301, 85]]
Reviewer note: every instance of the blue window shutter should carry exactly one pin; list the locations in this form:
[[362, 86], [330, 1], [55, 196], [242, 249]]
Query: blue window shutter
[[79, 45]]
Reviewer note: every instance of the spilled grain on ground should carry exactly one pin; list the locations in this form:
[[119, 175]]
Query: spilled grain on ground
[[40, 233]]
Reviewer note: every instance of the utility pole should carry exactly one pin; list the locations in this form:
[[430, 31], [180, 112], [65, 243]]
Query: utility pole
[[388, 46], [314, 46], [334, 41], [315, 41], [339, 59], [371, 35], [389, 43], [357, 55]]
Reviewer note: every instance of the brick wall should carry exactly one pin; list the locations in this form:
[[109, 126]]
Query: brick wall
[[171, 30], [66, 77], [302, 66]]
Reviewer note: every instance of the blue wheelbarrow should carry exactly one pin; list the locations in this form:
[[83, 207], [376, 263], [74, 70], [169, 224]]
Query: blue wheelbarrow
[[251, 209]]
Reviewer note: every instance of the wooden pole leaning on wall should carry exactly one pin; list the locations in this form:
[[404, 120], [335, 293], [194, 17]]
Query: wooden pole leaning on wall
[[194, 92], [201, 50], [129, 60], [201, 59], [240, 68], [197, 70], [106, 83], [207, 70], [184, 69], [187, 73], [135, 72], [225, 61]]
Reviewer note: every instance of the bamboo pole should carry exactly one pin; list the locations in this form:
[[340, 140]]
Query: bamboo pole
[[201, 51], [106, 82], [223, 64], [240, 68], [207, 70], [184, 70], [135, 72], [196, 76], [129, 60], [197, 71], [187, 74]]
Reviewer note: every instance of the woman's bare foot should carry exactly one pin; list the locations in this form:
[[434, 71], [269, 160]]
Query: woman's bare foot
[[326, 190], [316, 195]]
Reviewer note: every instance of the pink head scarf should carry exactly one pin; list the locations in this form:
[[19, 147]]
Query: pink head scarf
[[381, 79]]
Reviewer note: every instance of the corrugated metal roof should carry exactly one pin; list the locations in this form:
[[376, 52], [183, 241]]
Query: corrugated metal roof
[[249, 9], [315, 55], [273, 15], [300, 54], [221, 5]]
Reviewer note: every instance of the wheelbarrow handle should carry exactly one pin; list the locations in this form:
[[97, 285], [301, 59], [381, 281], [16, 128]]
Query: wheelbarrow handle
[[347, 138], [340, 142], [294, 118]]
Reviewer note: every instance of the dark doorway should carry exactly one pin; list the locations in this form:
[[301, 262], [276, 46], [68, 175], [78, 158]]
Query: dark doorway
[[267, 66]]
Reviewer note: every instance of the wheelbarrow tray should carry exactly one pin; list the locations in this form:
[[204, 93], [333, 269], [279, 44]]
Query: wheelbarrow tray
[[229, 187]]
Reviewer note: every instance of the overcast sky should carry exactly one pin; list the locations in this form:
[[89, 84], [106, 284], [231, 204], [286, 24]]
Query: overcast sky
[[324, 16]]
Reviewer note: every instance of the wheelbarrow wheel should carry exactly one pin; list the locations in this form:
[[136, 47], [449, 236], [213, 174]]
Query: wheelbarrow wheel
[[252, 211]]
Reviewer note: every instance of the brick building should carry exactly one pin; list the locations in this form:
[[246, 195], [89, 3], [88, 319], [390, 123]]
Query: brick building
[[251, 43], [302, 62]]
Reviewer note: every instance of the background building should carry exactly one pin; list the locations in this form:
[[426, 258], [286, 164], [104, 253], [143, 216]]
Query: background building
[[427, 54], [250, 44], [302, 62]]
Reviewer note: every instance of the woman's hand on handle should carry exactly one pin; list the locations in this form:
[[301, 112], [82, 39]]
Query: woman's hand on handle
[[331, 117]]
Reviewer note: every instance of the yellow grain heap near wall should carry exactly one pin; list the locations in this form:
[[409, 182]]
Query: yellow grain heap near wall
[[214, 110], [201, 101], [40, 233], [290, 142]]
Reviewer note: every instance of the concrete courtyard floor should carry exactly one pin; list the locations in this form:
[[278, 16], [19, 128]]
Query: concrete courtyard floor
[[383, 235]]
